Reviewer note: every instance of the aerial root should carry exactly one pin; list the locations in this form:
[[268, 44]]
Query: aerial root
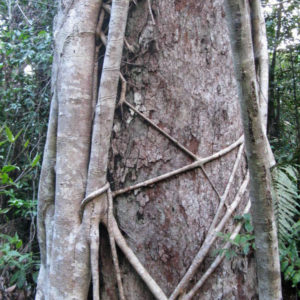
[[226, 192], [91, 197], [208, 242], [112, 241], [94, 258], [200, 162], [217, 260], [115, 235], [150, 12]]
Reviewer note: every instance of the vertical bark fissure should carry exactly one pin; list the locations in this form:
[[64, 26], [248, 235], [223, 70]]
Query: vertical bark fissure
[[268, 267]]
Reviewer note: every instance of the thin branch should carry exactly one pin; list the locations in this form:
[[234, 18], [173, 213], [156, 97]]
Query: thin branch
[[188, 167], [112, 241], [217, 260], [209, 240], [22, 12]]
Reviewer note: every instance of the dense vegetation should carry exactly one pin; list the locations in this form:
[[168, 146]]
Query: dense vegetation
[[284, 133], [25, 65], [25, 70]]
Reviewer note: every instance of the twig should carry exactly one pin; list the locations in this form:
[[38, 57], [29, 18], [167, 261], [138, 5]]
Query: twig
[[209, 240], [188, 167], [22, 12], [113, 244], [217, 260]]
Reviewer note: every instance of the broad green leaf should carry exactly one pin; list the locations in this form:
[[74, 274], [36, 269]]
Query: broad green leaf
[[248, 227], [35, 160], [4, 210], [9, 134], [8, 168], [19, 244]]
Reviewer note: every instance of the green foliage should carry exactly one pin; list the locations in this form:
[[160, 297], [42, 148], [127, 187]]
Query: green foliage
[[25, 70], [289, 257], [23, 265], [286, 206], [243, 243], [17, 261], [282, 20], [286, 200]]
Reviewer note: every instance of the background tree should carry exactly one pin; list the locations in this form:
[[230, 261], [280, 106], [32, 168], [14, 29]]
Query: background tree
[[282, 20]]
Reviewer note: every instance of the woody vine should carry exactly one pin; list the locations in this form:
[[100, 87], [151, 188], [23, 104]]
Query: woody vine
[[97, 206]]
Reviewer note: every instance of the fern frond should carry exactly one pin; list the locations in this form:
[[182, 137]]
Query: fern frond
[[286, 200]]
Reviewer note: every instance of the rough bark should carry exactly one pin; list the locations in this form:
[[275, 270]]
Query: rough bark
[[182, 79], [169, 161], [267, 257]]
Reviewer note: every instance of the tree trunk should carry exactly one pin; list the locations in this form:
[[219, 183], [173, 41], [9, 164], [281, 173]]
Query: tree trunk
[[256, 144], [273, 125], [176, 131]]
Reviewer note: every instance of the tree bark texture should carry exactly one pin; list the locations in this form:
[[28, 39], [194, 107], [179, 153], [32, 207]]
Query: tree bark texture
[[62, 276], [180, 106], [182, 79]]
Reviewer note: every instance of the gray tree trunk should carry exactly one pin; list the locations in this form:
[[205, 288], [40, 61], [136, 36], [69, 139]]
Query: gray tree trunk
[[256, 144], [179, 120]]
